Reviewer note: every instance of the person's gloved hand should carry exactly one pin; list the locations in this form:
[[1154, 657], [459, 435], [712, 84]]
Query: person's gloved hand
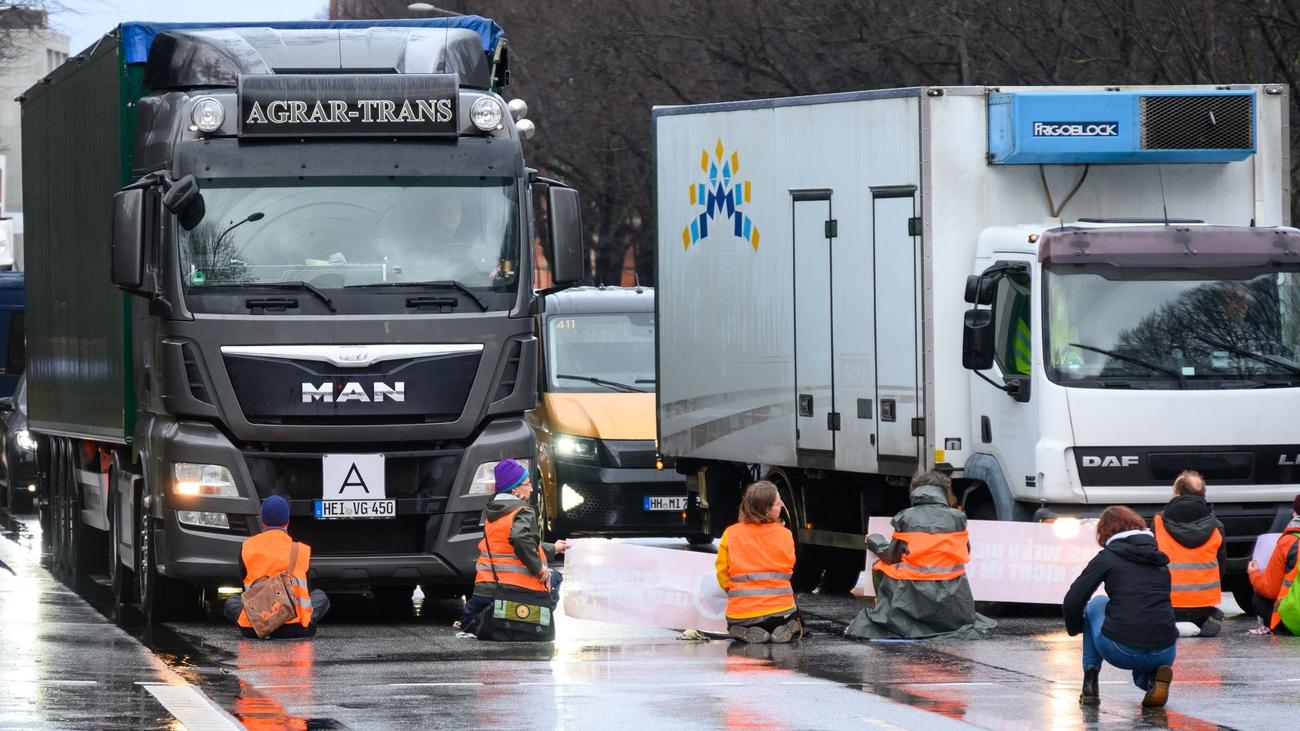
[[877, 543]]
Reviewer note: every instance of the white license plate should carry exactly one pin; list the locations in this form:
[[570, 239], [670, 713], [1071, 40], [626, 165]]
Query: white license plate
[[665, 503], [344, 509]]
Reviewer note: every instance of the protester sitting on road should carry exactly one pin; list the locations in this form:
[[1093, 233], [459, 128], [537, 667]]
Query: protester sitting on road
[[268, 554], [1273, 583], [755, 563], [511, 552], [1188, 533], [1132, 627], [920, 579]]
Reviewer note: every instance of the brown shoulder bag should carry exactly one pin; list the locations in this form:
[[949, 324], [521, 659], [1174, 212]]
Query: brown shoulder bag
[[270, 602]]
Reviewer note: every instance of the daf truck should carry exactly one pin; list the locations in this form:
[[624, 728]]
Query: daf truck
[[289, 259], [1062, 296]]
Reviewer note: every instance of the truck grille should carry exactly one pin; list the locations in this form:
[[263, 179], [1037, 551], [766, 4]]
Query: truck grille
[[1198, 122], [299, 477]]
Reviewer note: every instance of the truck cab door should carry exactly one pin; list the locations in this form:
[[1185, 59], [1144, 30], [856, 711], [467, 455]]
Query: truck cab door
[[1007, 421]]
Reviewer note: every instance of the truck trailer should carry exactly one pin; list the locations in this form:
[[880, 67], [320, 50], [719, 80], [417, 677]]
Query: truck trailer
[[1062, 296], [289, 259]]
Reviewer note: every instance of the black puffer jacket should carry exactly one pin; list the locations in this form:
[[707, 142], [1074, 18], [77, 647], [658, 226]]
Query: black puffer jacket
[[1136, 576], [1189, 520]]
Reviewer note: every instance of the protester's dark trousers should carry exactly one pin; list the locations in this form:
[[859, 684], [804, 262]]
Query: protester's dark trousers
[[476, 603]]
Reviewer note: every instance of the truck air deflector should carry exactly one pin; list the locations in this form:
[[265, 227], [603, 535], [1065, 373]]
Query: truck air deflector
[[1121, 127]]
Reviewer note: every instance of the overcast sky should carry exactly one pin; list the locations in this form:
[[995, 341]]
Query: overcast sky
[[87, 20]]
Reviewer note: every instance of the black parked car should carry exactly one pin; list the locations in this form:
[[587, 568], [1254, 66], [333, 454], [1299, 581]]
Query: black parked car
[[19, 466]]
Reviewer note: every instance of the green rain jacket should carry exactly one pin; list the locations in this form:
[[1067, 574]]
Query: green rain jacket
[[921, 609]]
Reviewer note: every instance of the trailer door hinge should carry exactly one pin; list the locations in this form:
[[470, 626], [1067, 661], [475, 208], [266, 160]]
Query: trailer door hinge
[[914, 226], [833, 421], [832, 228]]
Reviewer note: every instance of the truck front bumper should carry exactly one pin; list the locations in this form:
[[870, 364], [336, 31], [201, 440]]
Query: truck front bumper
[[433, 539], [613, 502]]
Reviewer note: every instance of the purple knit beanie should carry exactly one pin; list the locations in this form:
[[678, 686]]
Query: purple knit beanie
[[509, 474]]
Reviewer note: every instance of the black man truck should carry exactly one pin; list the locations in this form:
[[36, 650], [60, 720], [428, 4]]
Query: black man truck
[[289, 259], [1065, 296]]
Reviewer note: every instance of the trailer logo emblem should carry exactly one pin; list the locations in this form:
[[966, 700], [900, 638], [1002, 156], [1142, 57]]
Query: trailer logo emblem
[[1076, 129], [723, 195]]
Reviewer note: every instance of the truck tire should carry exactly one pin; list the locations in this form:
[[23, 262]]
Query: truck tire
[[161, 599], [120, 577], [842, 569], [807, 560]]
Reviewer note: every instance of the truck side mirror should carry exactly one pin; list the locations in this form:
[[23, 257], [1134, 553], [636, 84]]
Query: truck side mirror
[[185, 201], [980, 289], [977, 341], [128, 239], [568, 264]]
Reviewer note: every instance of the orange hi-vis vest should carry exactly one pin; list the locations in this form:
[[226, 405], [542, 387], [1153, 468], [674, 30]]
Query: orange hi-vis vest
[[760, 563], [930, 556], [1289, 578], [496, 553], [1193, 572], [267, 554]]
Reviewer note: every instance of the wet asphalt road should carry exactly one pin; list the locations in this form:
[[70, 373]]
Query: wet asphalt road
[[66, 665]]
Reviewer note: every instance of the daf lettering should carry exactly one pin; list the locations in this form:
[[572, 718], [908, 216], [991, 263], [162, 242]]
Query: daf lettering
[[334, 393], [1110, 461]]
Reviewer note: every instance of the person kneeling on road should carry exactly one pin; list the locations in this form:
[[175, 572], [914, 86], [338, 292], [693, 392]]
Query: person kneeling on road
[[1188, 533], [269, 554], [511, 554], [1132, 627], [1274, 583], [755, 564], [920, 579]]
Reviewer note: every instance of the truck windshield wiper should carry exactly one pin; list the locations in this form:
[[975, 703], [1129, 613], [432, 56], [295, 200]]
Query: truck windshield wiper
[[601, 382], [1250, 354], [1135, 361], [305, 286], [438, 284]]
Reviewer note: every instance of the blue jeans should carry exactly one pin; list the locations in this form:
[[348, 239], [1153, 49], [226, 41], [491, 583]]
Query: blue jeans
[[476, 603], [1098, 647]]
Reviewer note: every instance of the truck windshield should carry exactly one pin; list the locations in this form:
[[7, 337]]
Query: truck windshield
[[1176, 328], [604, 353], [334, 235]]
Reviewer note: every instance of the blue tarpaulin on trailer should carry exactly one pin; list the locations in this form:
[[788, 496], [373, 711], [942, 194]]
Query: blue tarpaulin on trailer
[[137, 36]]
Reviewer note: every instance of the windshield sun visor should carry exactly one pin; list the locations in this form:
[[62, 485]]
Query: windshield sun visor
[[1172, 247]]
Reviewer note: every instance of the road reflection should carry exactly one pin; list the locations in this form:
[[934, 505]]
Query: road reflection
[[286, 667]]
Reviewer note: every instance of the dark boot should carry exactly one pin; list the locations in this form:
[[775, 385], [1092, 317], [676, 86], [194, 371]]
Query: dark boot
[[1090, 696], [1158, 694]]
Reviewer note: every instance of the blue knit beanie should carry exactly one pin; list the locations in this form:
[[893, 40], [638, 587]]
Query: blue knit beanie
[[275, 512]]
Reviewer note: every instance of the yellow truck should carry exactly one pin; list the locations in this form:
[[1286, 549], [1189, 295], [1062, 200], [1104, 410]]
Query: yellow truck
[[598, 470]]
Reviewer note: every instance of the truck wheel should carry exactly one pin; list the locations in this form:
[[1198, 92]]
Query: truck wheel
[[1242, 592], [807, 560], [59, 513], [843, 567], [700, 539], [161, 599]]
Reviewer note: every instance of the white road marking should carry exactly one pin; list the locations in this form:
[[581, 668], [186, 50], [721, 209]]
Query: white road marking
[[191, 707], [883, 724], [55, 682], [428, 685]]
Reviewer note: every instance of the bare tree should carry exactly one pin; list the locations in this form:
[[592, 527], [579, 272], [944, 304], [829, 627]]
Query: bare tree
[[18, 19]]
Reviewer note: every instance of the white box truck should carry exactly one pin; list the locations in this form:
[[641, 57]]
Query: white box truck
[[1064, 296]]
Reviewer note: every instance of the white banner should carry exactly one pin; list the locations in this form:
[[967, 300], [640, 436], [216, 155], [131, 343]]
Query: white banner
[[1264, 546], [622, 583], [1029, 563]]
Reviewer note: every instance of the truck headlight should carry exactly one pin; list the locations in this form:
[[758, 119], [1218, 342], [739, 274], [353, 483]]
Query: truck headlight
[[485, 480], [212, 480], [485, 113], [575, 448], [24, 440], [200, 519], [208, 114]]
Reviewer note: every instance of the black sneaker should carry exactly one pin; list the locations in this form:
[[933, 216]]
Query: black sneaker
[[1213, 624]]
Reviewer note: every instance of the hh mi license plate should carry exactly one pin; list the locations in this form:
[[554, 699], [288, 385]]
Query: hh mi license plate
[[342, 509], [666, 503]]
